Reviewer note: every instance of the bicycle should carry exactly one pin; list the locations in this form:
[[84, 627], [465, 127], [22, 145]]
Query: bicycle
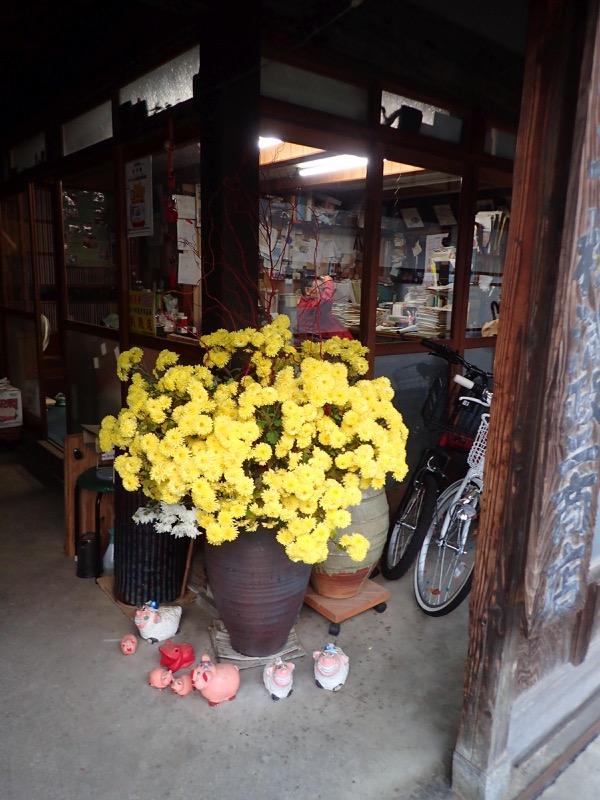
[[456, 418], [444, 570]]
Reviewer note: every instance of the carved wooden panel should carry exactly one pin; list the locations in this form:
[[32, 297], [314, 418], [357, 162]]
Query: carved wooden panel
[[569, 451]]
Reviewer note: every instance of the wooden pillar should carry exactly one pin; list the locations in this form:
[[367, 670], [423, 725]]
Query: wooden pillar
[[519, 567], [228, 93]]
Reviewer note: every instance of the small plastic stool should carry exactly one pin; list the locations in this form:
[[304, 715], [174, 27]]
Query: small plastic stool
[[90, 481]]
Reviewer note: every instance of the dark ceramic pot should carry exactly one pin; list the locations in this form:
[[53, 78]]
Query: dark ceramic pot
[[148, 565], [257, 591]]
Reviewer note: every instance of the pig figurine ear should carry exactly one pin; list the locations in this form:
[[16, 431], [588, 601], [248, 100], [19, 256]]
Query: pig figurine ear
[[317, 653], [270, 670], [156, 617]]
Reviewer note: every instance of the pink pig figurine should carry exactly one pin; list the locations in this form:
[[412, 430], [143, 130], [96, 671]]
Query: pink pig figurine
[[128, 644], [216, 682], [182, 684], [331, 667], [278, 678], [160, 678]]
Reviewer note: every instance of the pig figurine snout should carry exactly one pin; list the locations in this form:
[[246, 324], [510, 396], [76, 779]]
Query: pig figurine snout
[[278, 678], [331, 667], [160, 678]]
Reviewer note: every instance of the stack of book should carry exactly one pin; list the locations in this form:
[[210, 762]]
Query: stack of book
[[433, 321], [349, 313]]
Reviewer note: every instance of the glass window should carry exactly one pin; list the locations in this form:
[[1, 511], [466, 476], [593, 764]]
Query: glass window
[[94, 389], [165, 86], [417, 253], [303, 88], [15, 249], [411, 376], [163, 203], [23, 361], [89, 224], [413, 116], [499, 142], [310, 237], [88, 129], [43, 225], [29, 153], [490, 236]]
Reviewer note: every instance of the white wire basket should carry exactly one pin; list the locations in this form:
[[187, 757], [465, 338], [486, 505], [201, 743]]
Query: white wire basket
[[477, 452]]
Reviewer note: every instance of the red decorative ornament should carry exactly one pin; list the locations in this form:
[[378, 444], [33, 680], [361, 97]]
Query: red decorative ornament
[[170, 209]]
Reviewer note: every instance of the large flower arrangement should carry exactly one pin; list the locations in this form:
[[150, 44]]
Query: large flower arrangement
[[261, 432]]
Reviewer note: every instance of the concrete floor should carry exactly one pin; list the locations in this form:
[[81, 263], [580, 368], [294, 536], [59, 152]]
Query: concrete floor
[[80, 721]]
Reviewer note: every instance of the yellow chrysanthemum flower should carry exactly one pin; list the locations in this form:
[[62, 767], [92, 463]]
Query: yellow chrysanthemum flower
[[260, 433]]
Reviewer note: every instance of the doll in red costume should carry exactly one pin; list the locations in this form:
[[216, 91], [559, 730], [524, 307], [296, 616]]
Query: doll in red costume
[[316, 319]]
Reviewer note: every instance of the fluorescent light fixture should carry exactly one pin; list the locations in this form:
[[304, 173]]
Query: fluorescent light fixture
[[268, 141], [331, 164]]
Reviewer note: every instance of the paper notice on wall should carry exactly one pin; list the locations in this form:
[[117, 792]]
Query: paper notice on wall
[[186, 206], [445, 214], [189, 265], [411, 217], [138, 178], [433, 243]]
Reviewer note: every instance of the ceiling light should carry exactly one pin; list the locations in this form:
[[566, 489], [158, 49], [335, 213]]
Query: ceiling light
[[331, 164], [268, 141]]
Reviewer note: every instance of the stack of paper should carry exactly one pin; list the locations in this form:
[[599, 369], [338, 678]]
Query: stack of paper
[[433, 321]]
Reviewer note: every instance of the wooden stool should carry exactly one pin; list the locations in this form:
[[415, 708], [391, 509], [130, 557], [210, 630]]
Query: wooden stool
[[90, 481]]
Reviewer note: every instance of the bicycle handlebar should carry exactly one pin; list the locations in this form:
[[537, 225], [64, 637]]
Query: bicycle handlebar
[[453, 357], [486, 402]]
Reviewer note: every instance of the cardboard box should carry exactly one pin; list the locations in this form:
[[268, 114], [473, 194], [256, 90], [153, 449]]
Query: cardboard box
[[11, 408], [90, 438]]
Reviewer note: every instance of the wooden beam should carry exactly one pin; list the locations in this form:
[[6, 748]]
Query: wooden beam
[[524, 366], [228, 93]]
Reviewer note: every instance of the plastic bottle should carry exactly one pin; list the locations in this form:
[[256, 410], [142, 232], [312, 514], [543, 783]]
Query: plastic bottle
[[108, 561]]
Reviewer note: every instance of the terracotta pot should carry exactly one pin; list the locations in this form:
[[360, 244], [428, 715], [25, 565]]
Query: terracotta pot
[[257, 591], [147, 565], [340, 577]]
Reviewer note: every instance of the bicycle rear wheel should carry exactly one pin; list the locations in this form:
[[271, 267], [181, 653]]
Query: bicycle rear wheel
[[409, 527], [444, 569]]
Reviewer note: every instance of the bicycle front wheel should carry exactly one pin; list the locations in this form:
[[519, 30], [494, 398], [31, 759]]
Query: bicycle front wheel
[[444, 569], [409, 527]]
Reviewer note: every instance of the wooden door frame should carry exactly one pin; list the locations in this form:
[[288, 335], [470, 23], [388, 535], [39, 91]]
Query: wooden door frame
[[531, 347]]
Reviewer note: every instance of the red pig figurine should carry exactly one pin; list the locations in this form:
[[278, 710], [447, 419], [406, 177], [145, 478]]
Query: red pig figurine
[[176, 656]]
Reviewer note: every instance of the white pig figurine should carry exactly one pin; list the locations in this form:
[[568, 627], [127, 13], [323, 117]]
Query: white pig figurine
[[331, 667], [156, 624], [278, 678]]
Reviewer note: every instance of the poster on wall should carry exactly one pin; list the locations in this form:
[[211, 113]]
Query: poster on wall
[[142, 312], [138, 180]]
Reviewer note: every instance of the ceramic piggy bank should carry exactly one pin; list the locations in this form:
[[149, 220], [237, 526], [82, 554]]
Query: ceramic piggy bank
[[278, 678], [128, 644], [160, 678], [331, 667], [176, 656], [216, 682], [182, 684], [157, 624]]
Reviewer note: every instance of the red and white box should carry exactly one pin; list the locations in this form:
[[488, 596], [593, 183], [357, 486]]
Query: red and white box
[[11, 408]]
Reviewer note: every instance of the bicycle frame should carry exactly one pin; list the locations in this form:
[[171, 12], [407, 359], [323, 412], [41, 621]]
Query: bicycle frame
[[442, 579], [459, 507], [417, 508], [474, 474]]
